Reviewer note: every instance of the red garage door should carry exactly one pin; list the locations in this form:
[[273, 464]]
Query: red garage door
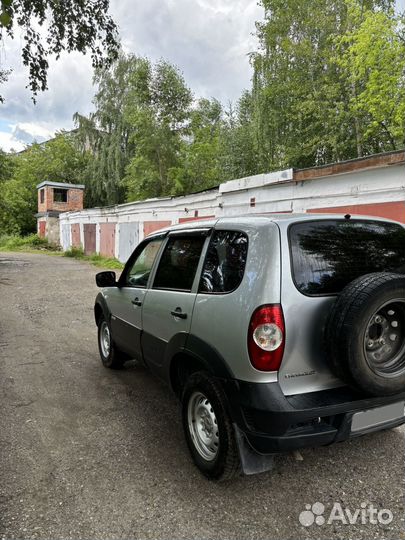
[[41, 228], [107, 239], [152, 226], [76, 236], [390, 210], [89, 233], [185, 219]]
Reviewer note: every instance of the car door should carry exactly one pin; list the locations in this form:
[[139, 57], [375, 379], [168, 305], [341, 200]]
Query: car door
[[126, 300], [169, 304]]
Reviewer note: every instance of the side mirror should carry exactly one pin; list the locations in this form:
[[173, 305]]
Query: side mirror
[[106, 279]]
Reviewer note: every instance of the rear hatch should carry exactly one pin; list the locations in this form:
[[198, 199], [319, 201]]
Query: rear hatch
[[320, 257]]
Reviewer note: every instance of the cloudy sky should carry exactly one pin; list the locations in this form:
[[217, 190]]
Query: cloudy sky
[[207, 39]]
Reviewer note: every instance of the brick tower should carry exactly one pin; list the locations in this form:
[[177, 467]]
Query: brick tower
[[53, 199]]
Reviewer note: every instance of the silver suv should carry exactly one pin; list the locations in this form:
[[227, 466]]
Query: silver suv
[[276, 332]]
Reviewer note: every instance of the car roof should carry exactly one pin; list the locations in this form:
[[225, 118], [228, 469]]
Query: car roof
[[260, 219]]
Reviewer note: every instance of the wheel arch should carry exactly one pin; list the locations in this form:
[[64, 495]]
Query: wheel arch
[[101, 308], [196, 355]]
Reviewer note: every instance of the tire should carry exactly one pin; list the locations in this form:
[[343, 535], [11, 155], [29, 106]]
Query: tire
[[110, 356], [365, 334], [204, 404]]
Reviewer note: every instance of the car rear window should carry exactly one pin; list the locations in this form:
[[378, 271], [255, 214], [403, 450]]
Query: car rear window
[[328, 254]]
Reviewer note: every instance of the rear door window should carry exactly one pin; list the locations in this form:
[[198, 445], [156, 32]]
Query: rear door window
[[179, 262], [328, 254], [225, 262]]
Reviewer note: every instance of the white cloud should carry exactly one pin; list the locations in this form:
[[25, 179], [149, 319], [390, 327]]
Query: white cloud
[[23, 134], [9, 144], [70, 89], [207, 39], [28, 132]]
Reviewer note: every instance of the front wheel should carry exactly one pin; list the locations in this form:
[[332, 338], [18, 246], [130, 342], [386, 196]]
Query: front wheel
[[110, 356], [208, 428]]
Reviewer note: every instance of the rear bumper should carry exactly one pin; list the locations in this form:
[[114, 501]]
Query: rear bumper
[[273, 423]]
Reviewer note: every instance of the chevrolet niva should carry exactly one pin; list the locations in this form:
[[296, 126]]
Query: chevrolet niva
[[276, 332]]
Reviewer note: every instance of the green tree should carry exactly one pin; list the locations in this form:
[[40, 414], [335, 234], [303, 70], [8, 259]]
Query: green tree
[[371, 56], [308, 85], [58, 160], [6, 171], [158, 111], [135, 134], [200, 155], [238, 141], [6, 167], [106, 133], [294, 83], [49, 28]]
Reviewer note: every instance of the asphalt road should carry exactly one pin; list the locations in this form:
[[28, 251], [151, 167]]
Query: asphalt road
[[96, 454]]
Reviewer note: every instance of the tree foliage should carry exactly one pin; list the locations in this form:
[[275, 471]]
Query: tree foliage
[[158, 110], [6, 167], [325, 88], [50, 27], [199, 162], [106, 133], [6, 170], [58, 160], [135, 133], [239, 141], [329, 87], [371, 57]]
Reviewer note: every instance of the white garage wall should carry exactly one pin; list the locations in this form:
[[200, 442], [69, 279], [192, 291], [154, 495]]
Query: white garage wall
[[273, 192]]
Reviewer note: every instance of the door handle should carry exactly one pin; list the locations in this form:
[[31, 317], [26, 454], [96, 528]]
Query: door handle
[[136, 302], [178, 313]]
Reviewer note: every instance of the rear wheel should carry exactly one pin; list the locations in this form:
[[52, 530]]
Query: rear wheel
[[110, 356], [208, 428]]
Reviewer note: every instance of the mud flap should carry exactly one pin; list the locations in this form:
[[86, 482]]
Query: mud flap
[[251, 461]]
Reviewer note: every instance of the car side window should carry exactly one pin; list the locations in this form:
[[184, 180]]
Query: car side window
[[225, 262], [179, 262], [138, 273]]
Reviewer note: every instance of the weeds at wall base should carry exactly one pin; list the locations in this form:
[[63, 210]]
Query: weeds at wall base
[[36, 244], [24, 243], [97, 260]]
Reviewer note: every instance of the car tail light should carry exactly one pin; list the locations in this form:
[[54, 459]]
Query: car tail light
[[266, 337]]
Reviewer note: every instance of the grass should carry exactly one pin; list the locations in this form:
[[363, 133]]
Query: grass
[[97, 260], [32, 242], [35, 244]]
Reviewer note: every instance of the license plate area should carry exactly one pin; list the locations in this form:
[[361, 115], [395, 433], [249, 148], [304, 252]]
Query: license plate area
[[374, 418]]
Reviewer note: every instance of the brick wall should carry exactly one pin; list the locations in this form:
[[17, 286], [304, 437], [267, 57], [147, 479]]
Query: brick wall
[[47, 199], [74, 200]]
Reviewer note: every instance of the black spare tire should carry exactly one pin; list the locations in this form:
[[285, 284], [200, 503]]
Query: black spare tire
[[365, 334]]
